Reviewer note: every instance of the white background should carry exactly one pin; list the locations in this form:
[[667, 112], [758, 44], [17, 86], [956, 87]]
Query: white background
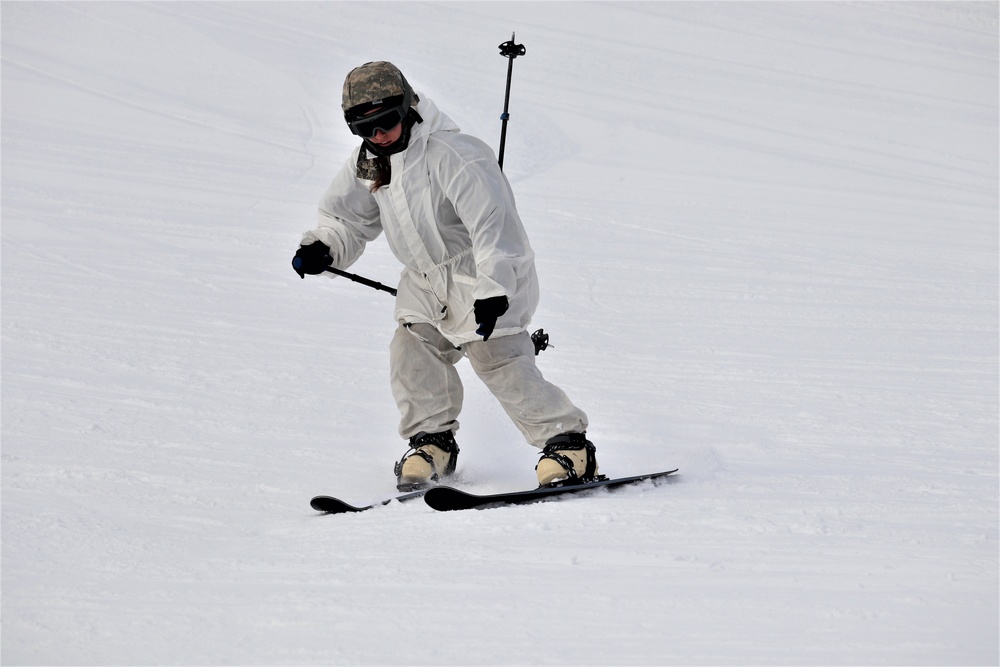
[[767, 239]]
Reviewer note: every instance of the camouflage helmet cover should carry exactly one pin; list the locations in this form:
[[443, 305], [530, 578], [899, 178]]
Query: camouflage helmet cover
[[374, 82]]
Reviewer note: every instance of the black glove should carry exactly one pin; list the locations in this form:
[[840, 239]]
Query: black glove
[[312, 259], [487, 311]]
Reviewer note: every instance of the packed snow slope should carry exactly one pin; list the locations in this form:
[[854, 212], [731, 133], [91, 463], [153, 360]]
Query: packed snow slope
[[767, 239]]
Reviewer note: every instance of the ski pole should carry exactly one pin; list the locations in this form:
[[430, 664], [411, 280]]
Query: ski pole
[[361, 279], [508, 50], [297, 264]]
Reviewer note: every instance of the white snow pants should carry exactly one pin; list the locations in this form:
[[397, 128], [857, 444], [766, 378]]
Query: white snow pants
[[429, 393]]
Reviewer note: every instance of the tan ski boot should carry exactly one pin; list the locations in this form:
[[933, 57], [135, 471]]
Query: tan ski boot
[[431, 457], [568, 458]]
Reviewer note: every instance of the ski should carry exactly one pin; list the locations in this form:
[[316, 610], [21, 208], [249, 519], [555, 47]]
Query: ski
[[446, 498], [330, 505]]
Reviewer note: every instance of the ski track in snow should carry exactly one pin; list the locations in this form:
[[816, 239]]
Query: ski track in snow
[[768, 244]]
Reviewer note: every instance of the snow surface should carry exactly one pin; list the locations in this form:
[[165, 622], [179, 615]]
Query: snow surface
[[767, 235]]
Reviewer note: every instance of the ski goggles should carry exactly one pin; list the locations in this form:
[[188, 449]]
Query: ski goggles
[[385, 120]]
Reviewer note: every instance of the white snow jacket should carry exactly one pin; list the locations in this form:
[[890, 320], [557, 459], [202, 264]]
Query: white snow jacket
[[448, 214]]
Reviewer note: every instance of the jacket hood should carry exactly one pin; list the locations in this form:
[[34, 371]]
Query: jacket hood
[[434, 119]]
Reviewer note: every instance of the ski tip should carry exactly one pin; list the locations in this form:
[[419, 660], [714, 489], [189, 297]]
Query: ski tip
[[446, 498], [330, 505], [318, 501]]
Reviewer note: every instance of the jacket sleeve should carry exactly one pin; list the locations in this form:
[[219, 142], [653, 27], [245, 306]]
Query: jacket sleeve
[[483, 200], [348, 217]]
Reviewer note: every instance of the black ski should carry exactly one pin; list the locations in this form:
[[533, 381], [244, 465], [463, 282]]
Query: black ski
[[329, 505], [446, 498]]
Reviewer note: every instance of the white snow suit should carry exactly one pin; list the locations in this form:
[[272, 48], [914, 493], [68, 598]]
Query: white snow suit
[[448, 214]]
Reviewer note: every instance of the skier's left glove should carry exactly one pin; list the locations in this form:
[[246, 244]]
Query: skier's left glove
[[487, 312], [312, 259]]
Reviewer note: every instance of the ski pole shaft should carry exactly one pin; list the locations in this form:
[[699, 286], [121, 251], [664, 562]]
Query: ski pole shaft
[[361, 279], [508, 50]]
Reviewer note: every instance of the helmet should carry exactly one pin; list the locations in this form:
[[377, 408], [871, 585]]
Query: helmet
[[372, 86]]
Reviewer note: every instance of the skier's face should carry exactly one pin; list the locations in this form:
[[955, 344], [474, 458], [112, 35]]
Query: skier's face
[[385, 138]]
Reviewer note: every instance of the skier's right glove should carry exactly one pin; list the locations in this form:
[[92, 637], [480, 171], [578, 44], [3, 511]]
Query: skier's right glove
[[312, 259]]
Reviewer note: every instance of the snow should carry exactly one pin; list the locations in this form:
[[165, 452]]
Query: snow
[[767, 235]]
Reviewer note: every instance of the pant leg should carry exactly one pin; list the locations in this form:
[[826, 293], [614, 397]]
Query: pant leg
[[424, 380], [539, 408]]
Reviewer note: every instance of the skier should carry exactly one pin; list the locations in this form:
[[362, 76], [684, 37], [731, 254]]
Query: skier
[[468, 288]]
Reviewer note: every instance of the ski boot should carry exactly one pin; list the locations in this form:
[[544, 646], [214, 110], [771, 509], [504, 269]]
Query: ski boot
[[568, 458], [431, 457]]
